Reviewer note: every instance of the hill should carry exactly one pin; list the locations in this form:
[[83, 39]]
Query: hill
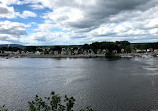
[[11, 45]]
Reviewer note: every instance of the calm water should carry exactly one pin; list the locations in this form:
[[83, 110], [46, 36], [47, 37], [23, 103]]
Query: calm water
[[106, 85]]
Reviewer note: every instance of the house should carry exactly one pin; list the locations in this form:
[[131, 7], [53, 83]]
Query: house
[[150, 50], [16, 52], [122, 50], [114, 51], [76, 51], [99, 51], [27, 52], [63, 49], [155, 50], [8, 52], [56, 52], [103, 51], [51, 52], [68, 52], [85, 52], [63, 52], [91, 51], [23, 52], [38, 53]]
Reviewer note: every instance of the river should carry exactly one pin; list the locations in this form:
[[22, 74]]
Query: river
[[104, 84]]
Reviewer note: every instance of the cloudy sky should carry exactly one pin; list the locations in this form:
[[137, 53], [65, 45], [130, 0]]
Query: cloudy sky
[[65, 22]]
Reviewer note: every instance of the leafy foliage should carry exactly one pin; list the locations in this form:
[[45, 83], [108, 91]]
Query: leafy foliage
[[30, 48], [3, 108], [52, 103], [110, 46]]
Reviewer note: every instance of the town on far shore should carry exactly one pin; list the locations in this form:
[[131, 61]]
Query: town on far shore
[[96, 49]]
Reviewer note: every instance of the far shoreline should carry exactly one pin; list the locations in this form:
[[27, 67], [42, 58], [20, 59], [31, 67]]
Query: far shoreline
[[117, 55]]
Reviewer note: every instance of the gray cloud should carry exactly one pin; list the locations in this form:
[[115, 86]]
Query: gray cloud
[[94, 20], [3, 10], [97, 12], [15, 30], [11, 31]]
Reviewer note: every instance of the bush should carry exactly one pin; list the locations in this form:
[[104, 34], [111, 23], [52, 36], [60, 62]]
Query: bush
[[52, 103], [3, 108]]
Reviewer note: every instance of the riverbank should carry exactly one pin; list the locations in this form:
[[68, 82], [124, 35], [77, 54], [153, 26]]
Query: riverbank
[[64, 56], [149, 54], [121, 55]]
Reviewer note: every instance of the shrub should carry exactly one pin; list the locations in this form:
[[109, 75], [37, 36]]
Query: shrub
[[52, 103], [3, 108]]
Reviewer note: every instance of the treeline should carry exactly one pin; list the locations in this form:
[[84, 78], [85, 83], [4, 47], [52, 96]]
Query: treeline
[[110, 46], [119, 45]]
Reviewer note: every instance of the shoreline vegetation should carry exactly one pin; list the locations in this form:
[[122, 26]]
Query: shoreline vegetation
[[122, 49], [52, 103]]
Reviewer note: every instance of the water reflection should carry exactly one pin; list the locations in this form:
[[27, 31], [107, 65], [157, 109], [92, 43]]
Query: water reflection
[[105, 84]]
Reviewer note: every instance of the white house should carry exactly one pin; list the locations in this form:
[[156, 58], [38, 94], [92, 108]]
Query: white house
[[38, 53], [155, 50], [63, 52], [56, 52], [150, 50]]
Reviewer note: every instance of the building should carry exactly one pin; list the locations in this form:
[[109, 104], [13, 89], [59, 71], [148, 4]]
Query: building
[[38, 53], [114, 51], [150, 50], [56, 52], [63, 52], [76, 51], [155, 50], [99, 51]]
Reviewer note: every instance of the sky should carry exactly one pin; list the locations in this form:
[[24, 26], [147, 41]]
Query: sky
[[75, 22]]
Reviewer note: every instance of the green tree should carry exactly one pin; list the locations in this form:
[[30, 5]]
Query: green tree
[[128, 49], [30, 48], [57, 48], [86, 46], [52, 103], [3, 108]]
